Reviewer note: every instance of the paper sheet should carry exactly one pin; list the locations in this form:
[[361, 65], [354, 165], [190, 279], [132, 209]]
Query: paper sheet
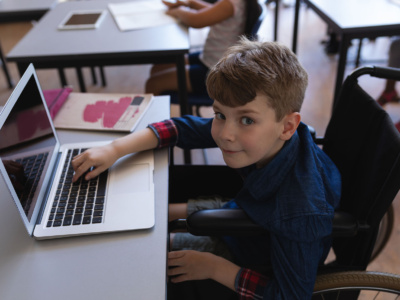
[[105, 112], [140, 14]]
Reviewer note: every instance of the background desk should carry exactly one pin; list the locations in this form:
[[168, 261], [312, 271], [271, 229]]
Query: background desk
[[21, 10], [127, 265], [353, 19], [47, 47], [24, 10]]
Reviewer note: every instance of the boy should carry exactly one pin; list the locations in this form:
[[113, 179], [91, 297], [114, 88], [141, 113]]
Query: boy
[[290, 186]]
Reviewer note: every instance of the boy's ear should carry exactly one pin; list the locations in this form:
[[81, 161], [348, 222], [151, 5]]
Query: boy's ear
[[290, 124]]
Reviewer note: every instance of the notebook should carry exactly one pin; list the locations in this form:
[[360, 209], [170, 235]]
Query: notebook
[[49, 203]]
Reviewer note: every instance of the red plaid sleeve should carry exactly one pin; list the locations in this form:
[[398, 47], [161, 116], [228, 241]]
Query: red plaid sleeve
[[250, 284], [166, 133]]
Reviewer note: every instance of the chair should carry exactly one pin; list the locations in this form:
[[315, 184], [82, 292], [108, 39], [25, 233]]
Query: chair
[[63, 78], [364, 144], [255, 15], [5, 69]]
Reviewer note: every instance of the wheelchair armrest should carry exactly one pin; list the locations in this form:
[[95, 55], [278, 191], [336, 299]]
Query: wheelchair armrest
[[235, 222], [177, 225], [344, 225], [219, 222]]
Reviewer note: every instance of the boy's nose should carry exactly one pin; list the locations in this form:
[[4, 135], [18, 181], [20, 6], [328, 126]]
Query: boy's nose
[[228, 132]]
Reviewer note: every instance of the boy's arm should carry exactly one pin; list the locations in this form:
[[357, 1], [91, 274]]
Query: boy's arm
[[194, 4], [198, 4], [194, 132], [101, 158]]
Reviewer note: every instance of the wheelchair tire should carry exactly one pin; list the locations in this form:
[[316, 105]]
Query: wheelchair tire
[[385, 231], [356, 281]]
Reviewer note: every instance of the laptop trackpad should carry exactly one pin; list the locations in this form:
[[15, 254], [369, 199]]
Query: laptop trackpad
[[129, 177]]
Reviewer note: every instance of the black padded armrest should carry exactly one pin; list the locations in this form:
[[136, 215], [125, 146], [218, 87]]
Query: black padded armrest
[[222, 222], [235, 222], [344, 225]]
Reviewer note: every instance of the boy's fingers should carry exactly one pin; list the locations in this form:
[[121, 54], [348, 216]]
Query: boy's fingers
[[80, 169], [177, 279], [76, 176], [92, 174], [176, 254], [177, 274], [175, 258], [77, 160], [175, 271], [174, 262]]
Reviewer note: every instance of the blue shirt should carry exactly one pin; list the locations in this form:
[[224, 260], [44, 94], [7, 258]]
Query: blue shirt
[[293, 197]]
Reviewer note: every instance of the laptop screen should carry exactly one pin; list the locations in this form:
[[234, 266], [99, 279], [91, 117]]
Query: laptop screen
[[27, 142]]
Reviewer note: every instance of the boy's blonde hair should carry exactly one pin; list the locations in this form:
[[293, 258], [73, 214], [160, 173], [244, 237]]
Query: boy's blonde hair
[[266, 68]]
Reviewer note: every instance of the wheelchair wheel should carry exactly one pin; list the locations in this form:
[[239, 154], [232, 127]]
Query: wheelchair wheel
[[385, 230], [357, 285]]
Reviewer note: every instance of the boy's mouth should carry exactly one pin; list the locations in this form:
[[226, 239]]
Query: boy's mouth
[[229, 151]]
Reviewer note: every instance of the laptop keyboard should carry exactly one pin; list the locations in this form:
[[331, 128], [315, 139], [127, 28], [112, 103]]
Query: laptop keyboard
[[78, 203]]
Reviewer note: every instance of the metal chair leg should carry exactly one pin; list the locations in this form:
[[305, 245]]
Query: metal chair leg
[[5, 69]]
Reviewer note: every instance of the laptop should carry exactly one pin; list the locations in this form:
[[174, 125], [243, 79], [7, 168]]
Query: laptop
[[37, 171]]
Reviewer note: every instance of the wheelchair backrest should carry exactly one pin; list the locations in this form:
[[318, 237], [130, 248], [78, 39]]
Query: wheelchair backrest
[[365, 145]]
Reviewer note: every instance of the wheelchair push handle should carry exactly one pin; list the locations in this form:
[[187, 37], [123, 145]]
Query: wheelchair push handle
[[379, 72]]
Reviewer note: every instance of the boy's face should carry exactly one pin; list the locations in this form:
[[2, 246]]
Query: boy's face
[[249, 134]]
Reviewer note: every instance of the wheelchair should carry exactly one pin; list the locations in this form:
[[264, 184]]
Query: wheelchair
[[365, 146]]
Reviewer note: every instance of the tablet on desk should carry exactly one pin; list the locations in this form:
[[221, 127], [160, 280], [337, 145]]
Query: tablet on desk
[[82, 20]]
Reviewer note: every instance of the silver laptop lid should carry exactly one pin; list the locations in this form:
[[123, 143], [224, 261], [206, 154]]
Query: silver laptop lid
[[26, 133]]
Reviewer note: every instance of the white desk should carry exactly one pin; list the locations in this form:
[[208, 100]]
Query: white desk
[[127, 265]]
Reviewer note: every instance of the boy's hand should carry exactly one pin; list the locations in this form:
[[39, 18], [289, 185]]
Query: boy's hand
[[190, 265], [100, 158], [171, 3], [194, 265], [173, 12]]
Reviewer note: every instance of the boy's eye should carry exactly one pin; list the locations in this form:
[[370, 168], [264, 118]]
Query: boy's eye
[[219, 116], [246, 121]]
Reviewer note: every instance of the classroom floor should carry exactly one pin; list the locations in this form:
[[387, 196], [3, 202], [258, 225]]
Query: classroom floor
[[318, 101]]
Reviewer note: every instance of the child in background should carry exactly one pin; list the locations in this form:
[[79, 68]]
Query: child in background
[[290, 187], [389, 94], [226, 19]]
